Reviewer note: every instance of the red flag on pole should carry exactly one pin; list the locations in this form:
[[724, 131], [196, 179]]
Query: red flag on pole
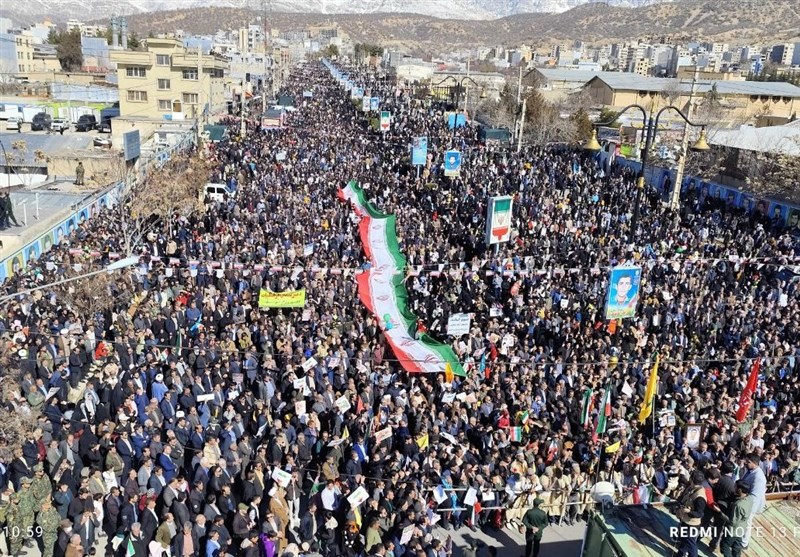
[[746, 400]]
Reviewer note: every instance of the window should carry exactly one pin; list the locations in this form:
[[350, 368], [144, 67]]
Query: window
[[190, 98], [162, 59], [136, 71], [190, 74], [163, 84], [137, 96], [165, 105]]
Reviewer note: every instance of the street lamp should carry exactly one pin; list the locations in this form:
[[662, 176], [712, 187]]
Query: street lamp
[[651, 127], [459, 86], [116, 265]]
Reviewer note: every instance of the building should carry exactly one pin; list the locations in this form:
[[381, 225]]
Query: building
[[782, 54], [641, 66], [169, 82], [251, 40], [743, 100], [95, 54]]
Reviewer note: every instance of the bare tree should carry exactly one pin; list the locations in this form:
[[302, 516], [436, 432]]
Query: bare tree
[[774, 171], [22, 160], [151, 202]]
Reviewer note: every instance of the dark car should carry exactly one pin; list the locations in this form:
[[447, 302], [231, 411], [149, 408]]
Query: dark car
[[41, 121], [85, 123]]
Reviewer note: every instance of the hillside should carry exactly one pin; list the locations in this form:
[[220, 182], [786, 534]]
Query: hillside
[[738, 21]]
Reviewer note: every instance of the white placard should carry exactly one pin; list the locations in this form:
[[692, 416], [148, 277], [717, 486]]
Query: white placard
[[495, 311], [299, 383], [458, 324], [308, 249], [300, 407], [342, 404], [309, 363], [205, 398], [783, 300], [382, 435], [282, 477], [358, 496], [448, 398], [408, 532], [447, 437], [627, 389], [471, 497], [439, 495]]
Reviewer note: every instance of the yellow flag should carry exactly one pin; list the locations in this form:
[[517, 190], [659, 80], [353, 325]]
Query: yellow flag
[[614, 447], [345, 434], [650, 393], [357, 516], [422, 442], [448, 373]]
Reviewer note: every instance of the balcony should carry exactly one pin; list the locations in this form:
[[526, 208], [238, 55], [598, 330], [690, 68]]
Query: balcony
[[131, 58]]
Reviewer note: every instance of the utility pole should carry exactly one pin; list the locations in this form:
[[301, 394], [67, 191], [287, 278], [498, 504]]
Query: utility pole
[[519, 85], [466, 91], [521, 125], [200, 80], [243, 129], [675, 198]]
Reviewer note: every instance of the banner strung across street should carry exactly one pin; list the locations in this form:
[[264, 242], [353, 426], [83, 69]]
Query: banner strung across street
[[287, 299], [623, 292], [383, 291]]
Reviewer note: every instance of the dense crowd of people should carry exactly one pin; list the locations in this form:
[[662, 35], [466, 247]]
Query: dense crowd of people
[[183, 419]]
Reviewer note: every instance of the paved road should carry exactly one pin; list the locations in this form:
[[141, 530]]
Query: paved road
[[558, 541]]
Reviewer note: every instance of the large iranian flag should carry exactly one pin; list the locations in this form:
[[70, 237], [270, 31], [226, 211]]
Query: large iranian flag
[[382, 290]]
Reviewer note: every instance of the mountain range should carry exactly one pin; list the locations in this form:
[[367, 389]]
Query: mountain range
[[62, 10]]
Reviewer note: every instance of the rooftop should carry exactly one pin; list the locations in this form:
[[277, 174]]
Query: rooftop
[[643, 531], [54, 145], [773, 139], [632, 81]]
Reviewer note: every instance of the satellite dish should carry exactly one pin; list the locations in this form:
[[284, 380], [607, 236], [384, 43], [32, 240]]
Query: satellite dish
[[603, 493]]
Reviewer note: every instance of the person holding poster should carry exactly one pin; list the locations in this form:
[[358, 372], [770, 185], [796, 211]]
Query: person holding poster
[[623, 292]]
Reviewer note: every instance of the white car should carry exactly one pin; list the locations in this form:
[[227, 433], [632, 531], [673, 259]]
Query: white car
[[60, 125], [14, 123]]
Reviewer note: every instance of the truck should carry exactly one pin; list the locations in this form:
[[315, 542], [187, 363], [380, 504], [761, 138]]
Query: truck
[[106, 115], [8, 110]]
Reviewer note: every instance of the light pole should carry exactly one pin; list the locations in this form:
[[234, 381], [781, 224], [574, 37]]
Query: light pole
[[650, 127], [116, 265]]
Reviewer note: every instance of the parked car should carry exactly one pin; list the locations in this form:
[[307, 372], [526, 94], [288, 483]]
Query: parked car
[[41, 121], [105, 126], [85, 123], [100, 141], [14, 123], [60, 125]]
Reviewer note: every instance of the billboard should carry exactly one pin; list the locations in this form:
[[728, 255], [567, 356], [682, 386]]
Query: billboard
[[452, 163], [131, 145], [623, 292], [498, 219]]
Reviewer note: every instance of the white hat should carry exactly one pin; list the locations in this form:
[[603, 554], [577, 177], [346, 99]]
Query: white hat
[[159, 377]]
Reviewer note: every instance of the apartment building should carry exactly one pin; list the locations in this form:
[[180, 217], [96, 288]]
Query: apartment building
[[167, 81]]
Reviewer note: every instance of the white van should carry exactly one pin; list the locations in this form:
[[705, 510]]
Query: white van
[[217, 192]]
